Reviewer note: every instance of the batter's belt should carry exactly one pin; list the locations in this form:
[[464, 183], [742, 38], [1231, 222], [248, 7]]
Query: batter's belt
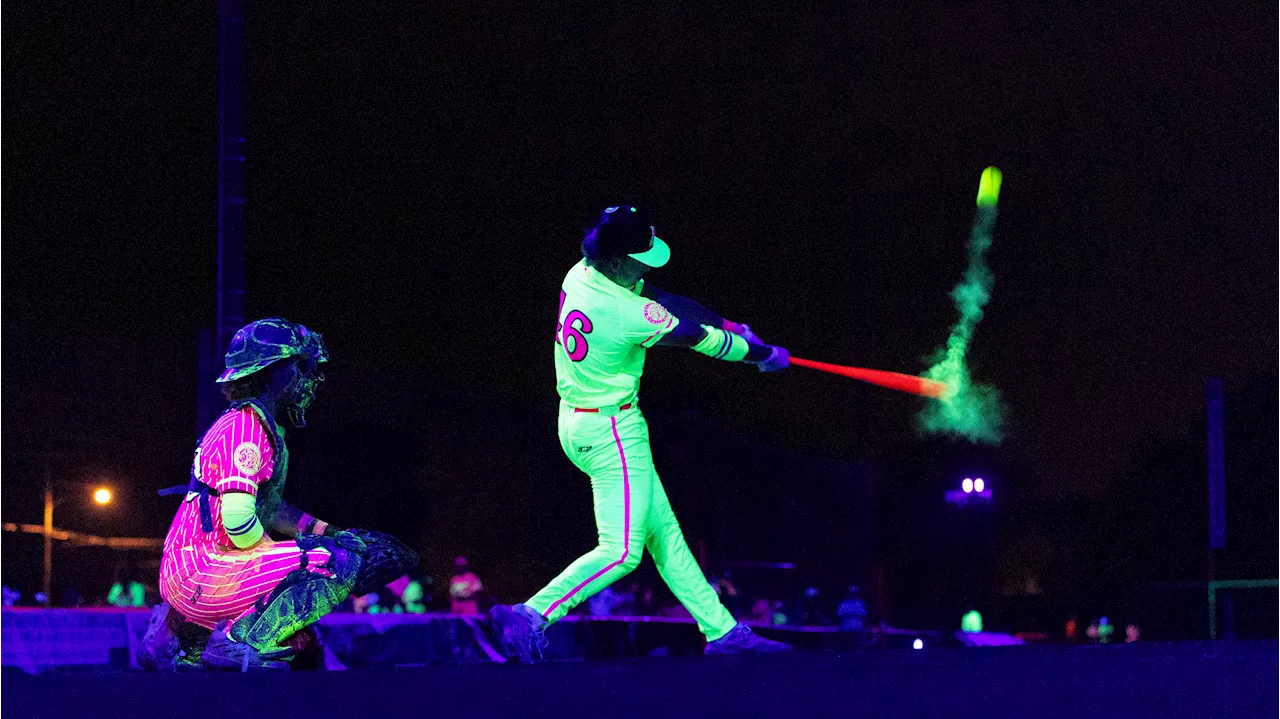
[[607, 411]]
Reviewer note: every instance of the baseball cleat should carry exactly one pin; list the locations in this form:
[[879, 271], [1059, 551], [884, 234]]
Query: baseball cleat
[[741, 640], [160, 648], [224, 652], [520, 630]]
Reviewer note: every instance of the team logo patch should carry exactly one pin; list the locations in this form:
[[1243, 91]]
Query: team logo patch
[[248, 459], [656, 313]]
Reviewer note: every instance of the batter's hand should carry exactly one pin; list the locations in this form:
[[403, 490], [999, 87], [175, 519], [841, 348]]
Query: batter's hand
[[779, 359], [750, 336]]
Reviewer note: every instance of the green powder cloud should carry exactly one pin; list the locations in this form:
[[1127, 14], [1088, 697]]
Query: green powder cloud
[[970, 410]]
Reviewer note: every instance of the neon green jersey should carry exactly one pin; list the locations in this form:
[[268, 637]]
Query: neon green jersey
[[602, 333]]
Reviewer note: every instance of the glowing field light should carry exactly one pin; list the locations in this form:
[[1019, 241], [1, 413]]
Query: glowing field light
[[979, 485], [102, 496], [967, 485], [917, 644]]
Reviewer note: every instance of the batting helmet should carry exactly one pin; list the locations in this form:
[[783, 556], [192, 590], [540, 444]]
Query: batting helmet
[[626, 230]]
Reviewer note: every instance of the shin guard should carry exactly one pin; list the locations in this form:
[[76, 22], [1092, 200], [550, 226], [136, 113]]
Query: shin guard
[[297, 602]]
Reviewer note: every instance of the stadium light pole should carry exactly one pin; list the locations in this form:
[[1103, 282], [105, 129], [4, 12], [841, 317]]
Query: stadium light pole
[[230, 314], [48, 532], [231, 170], [101, 495]]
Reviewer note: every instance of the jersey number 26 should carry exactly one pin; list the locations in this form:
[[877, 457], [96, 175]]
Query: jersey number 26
[[571, 334]]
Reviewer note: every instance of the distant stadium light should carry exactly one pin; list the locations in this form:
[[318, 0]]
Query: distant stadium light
[[967, 485], [978, 484], [917, 644]]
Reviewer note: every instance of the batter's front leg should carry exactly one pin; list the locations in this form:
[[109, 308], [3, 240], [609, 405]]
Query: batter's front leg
[[620, 468], [681, 571]]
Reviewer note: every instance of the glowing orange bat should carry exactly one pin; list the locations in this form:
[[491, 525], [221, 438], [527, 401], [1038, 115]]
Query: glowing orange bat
[[890, 380]]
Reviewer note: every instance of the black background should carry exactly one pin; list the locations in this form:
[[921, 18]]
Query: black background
[[419, 175]]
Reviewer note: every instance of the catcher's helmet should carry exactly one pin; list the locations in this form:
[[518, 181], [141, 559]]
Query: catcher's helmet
[[263, 342]]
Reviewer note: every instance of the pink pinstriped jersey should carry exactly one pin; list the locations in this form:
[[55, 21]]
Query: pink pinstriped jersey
[[235, 456]]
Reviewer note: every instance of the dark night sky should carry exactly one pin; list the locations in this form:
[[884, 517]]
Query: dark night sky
[[418, 176]]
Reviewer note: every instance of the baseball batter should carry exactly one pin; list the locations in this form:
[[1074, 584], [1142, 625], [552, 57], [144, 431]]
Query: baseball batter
[[609, 317]]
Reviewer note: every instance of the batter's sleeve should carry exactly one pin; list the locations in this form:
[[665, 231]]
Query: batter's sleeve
[[644, 322]]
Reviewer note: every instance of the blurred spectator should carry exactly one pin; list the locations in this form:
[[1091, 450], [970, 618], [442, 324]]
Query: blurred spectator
[[1105, 630], [11, 596], [646, 605], [397, 587], [1132, 634], [809, 613], [1073, 629], [852, 613], [414, 598], [627, 600], [407, 594], [42, 599], [71, 597], [723, 584], [971, 621], [127, 591], [779, 613], [604, 603], [760, 611], [410, 594], [132, 595], [464, 588], [361, 604], [385, 601], [1092, 631]]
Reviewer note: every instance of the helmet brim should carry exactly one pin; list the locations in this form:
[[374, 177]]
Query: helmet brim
[[234, 373]]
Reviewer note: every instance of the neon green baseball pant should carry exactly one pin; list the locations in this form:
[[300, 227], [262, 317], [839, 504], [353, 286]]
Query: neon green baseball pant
[[632, 512]]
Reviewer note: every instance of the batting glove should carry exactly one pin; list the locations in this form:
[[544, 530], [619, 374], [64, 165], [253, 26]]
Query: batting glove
[[779, 359], [750, 336]]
